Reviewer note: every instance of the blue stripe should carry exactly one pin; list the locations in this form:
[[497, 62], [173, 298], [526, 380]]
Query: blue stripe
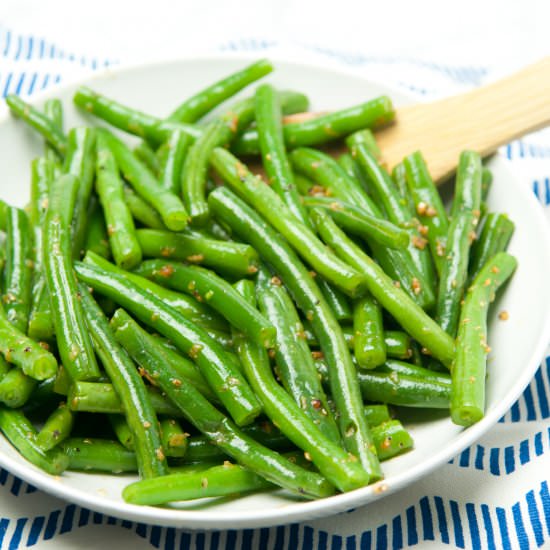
[[51, 525], [29, 51], [509, 462], [488, 525], [141, 530], [530, 404], [457, 524], [545, 498], [366, 541], [97, 518], [4, 523], [19, 48], [126, 524], [279, 538], [441, 519], [307, 540], [427, 520], [5, 93], [465, 458], [32, 84], [322, 540], [20, 84], [515, 412], [524, 451], [111, 520], [520, 528], [185, 540], [412, 534], [541, 390], [382, 537], [42, 48], [68, 519], [154, 536], [247, 537], [534, 517], [293, 536], [8, 41], [397, 533], [480, 453], [494, 466], [16, 486], [335, 544], [46, 80], [30, 489], [170, 539], [472, 524], [351, 542], [36, 527], [503, 528], [16, 537], [214, 540], [538, 444]]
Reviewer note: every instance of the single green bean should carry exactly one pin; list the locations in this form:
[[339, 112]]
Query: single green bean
[[337, 301], [369, 344], [56, 429], [22, 435], [148, 156], [217, 367], [17, 281], [406, 312], [221, 430], [174, 438], [53, 109], [80, 162], [122, 431], [398, 344], [294, 364], [97, 239], [198, 105], [99, 455], [464, 219], [399, 177], [145, 184], [120, 225], [272, 146], [391, 439], [494, 237], [171, 155], [377, 414], [141, 211], [206, 286], [235, 259], [469, 367], [372, 114], [275, 212], [4, 207], [130, 388], [73, 340], [16, 388], [428, 206], [248, 225], [354, 220], [40, 122]]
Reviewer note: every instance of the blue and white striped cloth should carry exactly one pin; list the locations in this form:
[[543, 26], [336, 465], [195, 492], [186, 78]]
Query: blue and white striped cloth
[[494, 495]]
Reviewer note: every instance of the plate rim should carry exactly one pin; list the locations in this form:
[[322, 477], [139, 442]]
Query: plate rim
[[299, 511]]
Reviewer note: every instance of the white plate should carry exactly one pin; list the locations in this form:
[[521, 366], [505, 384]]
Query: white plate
[[518, 344]]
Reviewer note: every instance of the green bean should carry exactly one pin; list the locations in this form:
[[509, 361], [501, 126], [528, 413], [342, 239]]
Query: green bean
[[219, 132], [377, 414], [56, 429], [399, 177], [353, 219], [294, 364], [428, 206], [201, 103], [142, 180], [130, 388], [404, 390], [409, 369], [122, 431], [174, 439], [73, 340], [25, 353], [228, 479], [325, 170], [221, 430], [272, 146], [385, 193], [53, 109], [391, 439], [468, 371], [16, 388], [464, 219], [372, 114], [215, 364], [206, 286], [80, 162], [171, 155], [22, 435], [369, 344], [406, 312], [141, 211], [235, 259], [99, 455], [34, 118], [398, 344], [486, 182], [97, 239], [4, 207], [337, 301], [300, 237], [148, 156], [276, 252], [100, 397], [153, 129], [120, 225], [40, 325], [494, 237], [18, 269], [190, 308]]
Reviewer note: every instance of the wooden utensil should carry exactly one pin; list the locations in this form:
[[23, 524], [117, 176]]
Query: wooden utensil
[[481, 120]]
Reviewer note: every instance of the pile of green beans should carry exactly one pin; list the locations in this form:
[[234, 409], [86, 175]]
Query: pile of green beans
[[167, 312]]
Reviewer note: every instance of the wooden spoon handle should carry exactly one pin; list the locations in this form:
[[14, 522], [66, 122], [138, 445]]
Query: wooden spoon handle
[[481, 120]]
